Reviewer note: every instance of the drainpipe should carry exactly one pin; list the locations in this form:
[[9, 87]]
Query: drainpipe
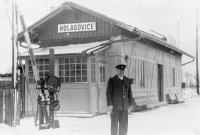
[[130, 39], [188, 62]]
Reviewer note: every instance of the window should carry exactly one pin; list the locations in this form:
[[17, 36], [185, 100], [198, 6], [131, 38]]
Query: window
[[43, 67], [93, 70], [73, 69], [102, 74], [142, 74]]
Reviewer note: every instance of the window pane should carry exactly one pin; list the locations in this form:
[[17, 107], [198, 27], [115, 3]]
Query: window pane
[[72, 66], [30, 74], [66, 79], [72, 60], [67, 67], [66, 60], [100, 70], [78, 66], [93, 60], [61, 67], [84, 66], [84, 79], [61, 61], [93, 72], [72, 73], [104, 78], [46, 67], [72, 79], [78, 72], [84, 72], [41, 74], [46, 74], [103, 70], [93, 66], [61, 73], [66, 73], [78, 60], [30, 68], [78, 79], [41, 67], [46, 61], [41, 61], [84, 60]]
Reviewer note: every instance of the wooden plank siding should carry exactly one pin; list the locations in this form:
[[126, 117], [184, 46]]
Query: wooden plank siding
[[151, 57], [9, 106], [73, 98], [49, 30]]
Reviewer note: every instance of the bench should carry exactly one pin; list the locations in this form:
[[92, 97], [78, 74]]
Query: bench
[[179, 97], [143, 103], [171, 99]]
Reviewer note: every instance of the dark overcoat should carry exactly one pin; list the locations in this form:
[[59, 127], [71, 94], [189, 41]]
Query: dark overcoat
[[119, 93]]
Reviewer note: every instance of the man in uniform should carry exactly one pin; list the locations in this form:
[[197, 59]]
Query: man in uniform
[[119, 101]]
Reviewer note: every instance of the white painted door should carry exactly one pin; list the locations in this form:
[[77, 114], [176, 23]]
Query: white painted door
[[102, 88]]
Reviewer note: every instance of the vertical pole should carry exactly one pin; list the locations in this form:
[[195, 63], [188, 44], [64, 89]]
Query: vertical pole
[[178, 34], [13, 65], [197, 64], [18, 89], [13, 44], [51, 95]]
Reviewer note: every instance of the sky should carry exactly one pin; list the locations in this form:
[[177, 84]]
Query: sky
[[175, 18]]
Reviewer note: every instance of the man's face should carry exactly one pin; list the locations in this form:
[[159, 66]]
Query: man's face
[[120, 72]]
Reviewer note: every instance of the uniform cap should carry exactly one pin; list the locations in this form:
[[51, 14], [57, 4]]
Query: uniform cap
[[121, 66]]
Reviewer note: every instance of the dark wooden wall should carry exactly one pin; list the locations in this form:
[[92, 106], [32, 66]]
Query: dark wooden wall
[[9, 102], [49, 31]]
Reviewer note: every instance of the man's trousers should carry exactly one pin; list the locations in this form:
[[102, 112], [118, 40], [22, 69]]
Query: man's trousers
[[119, 122]]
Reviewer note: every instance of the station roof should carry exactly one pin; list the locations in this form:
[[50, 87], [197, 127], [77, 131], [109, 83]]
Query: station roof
[[80, 47]]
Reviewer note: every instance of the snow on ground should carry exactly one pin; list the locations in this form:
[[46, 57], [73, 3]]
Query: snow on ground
[[189, 93], [174, 119]]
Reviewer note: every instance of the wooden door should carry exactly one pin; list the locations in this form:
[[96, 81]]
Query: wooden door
[[102, 88], [160, 83]]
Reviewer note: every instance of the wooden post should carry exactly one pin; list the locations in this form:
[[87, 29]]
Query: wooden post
[[197, 64], [51, 95], [1, 104], [19, 99]]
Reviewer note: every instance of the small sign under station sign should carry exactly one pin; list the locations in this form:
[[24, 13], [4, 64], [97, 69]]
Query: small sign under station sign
[[76, 27]]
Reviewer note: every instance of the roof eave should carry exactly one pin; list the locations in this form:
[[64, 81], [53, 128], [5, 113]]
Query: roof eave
[[162, 42]]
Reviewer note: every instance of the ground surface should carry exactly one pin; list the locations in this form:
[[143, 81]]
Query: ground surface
[[176, 119]]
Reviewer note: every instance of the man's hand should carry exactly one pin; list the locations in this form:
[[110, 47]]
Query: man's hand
[[110, 108], [130, 108]]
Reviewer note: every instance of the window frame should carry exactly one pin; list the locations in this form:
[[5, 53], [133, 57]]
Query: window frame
[[43, 69], [71, 66]]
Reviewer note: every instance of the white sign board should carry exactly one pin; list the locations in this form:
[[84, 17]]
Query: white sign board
[[76, 27]]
